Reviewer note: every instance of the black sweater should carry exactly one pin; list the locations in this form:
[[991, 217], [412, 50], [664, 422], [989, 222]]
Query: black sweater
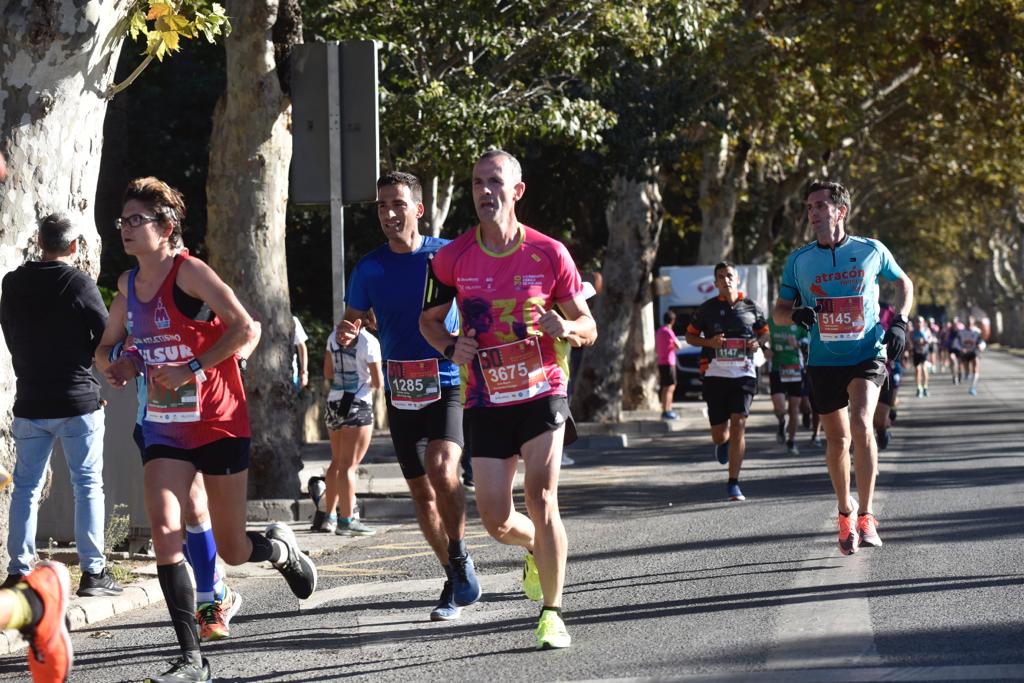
[[52, 317]]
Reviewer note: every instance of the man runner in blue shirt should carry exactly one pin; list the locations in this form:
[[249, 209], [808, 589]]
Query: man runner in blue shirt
[[422, 386], [835, 281]]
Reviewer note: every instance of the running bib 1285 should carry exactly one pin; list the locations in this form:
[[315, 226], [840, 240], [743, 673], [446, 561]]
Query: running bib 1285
[[840, 318], [173, 405], [414, 383], [513, 372]]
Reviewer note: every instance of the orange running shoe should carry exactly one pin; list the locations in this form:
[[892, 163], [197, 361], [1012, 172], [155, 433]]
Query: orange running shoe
[[50, 654], [214, 617], [866, 524], [848, 540]]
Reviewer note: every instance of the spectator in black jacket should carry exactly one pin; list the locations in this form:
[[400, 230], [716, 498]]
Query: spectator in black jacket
[[52, 317]]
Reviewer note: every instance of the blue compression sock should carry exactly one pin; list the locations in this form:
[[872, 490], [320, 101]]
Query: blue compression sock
[[201, 553]]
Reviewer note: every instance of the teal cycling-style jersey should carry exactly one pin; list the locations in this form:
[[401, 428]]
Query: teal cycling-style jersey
[[842, 286]]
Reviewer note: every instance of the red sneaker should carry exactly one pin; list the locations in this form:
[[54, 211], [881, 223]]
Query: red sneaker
[[50, 654], [866, 524], [848, 540]]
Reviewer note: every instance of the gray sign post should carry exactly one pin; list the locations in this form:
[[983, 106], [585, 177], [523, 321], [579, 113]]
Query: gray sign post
[[335, 129]]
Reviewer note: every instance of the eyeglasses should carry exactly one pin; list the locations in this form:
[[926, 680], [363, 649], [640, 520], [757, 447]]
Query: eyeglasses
[[133, 221]]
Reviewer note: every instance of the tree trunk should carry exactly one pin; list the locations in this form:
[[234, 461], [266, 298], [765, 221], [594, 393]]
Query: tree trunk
[[640, 366], [723, 179], [437, 197], [247, 190], [56, 60], [634, 216]]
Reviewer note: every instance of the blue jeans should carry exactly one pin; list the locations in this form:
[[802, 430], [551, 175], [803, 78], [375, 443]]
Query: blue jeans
[[82, 439]]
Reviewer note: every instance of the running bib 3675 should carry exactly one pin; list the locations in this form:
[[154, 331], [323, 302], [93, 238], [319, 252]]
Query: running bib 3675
[[840, 318], [414, 383], [513, 372], [173, 405]]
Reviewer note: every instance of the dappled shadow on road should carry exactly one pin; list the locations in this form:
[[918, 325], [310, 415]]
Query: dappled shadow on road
[[952, 645], [776, 598], [1001, 642]]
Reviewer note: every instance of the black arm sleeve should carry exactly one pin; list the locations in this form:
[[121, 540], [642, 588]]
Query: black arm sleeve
[[436, 293]]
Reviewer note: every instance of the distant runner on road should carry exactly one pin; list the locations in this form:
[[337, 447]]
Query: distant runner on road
[[729, 328], [836, 280]]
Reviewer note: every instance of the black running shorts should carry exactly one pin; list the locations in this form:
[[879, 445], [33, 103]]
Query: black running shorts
[[919, 358], [229, 455], [500, 432], [727, 396], [441, 420], [666, 376], [830, 383], [360, 414], [888, 392], [790, 389]]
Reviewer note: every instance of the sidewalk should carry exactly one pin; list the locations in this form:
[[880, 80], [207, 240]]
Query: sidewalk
[[383, 497]]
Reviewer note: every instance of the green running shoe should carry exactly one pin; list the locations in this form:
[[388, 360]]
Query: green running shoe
[[551, 631], [531, 579]]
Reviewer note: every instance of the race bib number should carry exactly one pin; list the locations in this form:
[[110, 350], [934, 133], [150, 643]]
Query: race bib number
[[173, 405], [513, 372], [968, 343], [841, 318], [733, 353], [414, 383], [790, 373]]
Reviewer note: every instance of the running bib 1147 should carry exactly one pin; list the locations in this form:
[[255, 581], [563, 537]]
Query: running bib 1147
[[414, 383], [840, 318], [173, 405], [733, 353], [513, 372]]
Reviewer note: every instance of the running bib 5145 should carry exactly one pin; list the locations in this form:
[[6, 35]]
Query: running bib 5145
[[513, 372], [173, 405], [414, 383], [840, 318], [733, 353]]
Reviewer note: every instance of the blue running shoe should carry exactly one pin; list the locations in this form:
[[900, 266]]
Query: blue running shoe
[[722, 453], [882, 437], [972, 391], [465, 586], [446, 609], [735, 493]]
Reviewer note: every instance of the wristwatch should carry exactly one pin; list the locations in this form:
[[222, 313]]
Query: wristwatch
[[449, 351], [900, 318], [197, 369]]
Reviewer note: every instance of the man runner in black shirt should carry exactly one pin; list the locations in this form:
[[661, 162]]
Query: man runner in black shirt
[[729, 327]]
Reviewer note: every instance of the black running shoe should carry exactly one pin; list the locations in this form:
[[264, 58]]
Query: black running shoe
[[183, 671], [297, 569], [98, 585]]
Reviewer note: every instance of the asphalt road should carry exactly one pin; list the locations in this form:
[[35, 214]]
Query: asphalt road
[[668, 580]]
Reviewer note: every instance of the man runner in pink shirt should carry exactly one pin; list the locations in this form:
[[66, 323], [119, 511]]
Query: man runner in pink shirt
[[522, 305]]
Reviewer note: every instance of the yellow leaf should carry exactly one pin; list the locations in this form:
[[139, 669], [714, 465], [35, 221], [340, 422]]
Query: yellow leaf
[[170, 39], [158, 9]]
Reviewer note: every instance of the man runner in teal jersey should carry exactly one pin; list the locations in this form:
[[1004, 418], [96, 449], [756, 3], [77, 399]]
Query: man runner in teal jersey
[[835, 279]]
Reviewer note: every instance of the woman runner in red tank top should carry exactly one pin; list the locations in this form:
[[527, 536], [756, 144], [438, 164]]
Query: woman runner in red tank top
[[196, 417]]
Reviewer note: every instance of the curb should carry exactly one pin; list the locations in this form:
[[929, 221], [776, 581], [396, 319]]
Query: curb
[[83, 612]]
